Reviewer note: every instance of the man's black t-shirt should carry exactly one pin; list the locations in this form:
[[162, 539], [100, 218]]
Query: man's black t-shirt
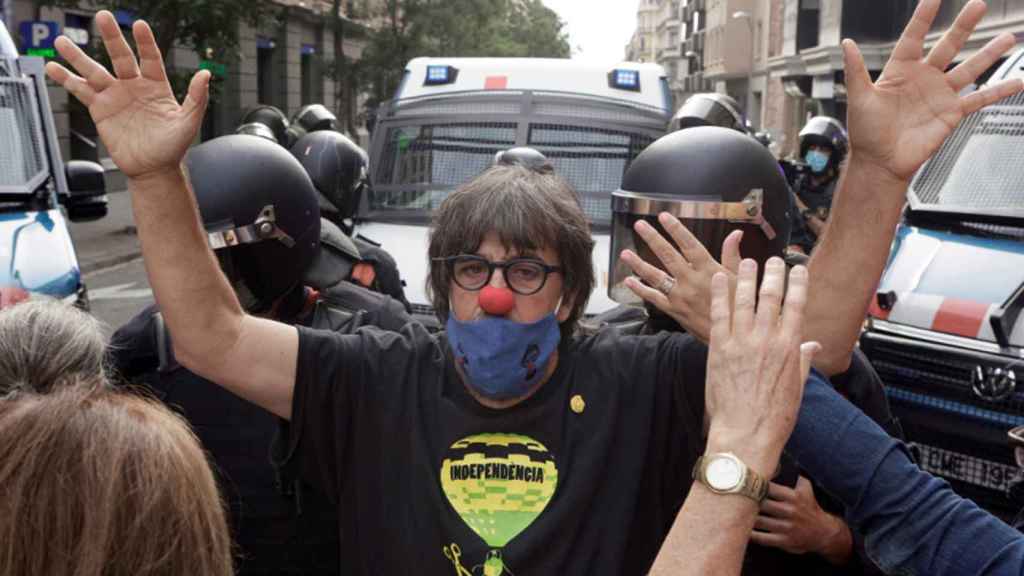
[[584, 477]]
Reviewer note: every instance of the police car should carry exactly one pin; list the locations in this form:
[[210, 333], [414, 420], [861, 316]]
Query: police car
[[945, 332], [451, 115], [39, 192]]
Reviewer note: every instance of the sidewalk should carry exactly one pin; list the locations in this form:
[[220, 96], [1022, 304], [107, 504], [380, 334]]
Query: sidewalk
[[110, 240]]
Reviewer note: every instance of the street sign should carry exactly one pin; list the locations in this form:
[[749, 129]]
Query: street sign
[[215, 68], [38, 35], [79, 36]]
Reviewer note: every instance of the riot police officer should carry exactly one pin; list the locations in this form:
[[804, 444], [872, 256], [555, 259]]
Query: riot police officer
[[270, 116], [734, 183], [823, 147], [260, 213], [339, 171], [709, 109]]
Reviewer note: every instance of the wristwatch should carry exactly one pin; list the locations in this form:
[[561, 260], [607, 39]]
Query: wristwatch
[[725, 473]]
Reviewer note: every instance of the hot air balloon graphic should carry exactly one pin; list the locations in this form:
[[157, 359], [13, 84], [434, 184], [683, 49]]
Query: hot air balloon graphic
[[498, 484]]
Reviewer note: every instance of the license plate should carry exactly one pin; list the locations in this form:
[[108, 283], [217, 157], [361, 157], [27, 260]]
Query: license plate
[[957, 466]]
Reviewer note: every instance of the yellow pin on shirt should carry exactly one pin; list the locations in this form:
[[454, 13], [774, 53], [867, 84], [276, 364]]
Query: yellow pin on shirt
[[577, 404]]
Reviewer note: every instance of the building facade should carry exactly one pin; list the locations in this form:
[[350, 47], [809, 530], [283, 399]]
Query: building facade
[[282, 63]]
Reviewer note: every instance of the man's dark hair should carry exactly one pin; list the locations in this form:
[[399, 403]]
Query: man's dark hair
[[529, 210]]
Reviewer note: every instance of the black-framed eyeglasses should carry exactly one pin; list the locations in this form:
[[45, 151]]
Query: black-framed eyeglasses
[[524, 276]]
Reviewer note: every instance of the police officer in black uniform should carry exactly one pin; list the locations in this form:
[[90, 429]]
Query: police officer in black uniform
[[339, 170], [260, 212], [823, 147], [733, 182]]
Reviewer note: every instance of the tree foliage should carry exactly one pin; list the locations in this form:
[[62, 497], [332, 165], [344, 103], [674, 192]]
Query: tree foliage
[[459, 28]]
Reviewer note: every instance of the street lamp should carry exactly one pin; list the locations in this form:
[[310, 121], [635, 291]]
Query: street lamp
[[745, 15]]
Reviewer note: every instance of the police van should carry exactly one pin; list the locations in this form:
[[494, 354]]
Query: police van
[[451, 115], [945, 332], [39, 192]]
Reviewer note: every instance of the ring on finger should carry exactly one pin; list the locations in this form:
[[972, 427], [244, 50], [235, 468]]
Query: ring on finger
[[666, 285]]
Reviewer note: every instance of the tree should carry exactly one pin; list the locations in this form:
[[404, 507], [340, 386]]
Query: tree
[[458, 28], [209, 27]]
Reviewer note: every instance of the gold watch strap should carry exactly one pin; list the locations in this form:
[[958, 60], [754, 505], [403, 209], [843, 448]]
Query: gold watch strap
[[753, 485]]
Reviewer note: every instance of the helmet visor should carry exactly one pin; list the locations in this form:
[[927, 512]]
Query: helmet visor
[[710, 221]]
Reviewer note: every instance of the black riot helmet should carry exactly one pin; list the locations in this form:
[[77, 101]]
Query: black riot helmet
[[715, 180], [828, 132], [269, 116], [314, 117], [257, 129], [524, 156], [338, 169], [709, 109], [259, 209]]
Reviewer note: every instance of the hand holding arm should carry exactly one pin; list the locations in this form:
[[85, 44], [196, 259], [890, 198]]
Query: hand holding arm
[[792, 520]]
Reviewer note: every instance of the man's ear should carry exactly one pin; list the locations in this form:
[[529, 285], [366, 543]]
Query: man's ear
[[565, 309]]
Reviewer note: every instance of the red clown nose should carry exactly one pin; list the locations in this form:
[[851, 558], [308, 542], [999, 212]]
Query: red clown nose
[[497, 301]]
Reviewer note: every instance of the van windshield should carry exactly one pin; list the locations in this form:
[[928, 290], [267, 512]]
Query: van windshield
[[420, 164], [978, 169], [22, 163]]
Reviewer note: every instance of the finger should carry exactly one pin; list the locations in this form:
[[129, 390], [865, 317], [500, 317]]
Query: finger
[[151, 63], [772, 288], [767, 539], [911, 43], [121, 56], [649, 295], [198, 94], [720, 311], [667, 254], [796, 300], [93, 72], [694, 252], [954, 39], [769, 524], [731, 251], [990, 95], [746, 288], [73, 83], [969, 70], [649, 273], [776, 509], [808, 350], [858, 79], [780, 493]]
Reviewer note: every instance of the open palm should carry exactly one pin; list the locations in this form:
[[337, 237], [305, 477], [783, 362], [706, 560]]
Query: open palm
[[136, 113], [898, 122]]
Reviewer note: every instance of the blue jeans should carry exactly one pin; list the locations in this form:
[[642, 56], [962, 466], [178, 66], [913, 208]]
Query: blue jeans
[[913, 523]]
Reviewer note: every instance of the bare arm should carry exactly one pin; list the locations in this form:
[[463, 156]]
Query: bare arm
[[756, 372], [895, 125], [148, 133]]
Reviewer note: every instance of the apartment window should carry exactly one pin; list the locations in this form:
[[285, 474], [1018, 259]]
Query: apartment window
[[309, 76], [264, 70]]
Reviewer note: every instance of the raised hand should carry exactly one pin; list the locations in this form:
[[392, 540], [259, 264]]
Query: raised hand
[[135, 111], [900, 121], [757, 365], [687, 267]]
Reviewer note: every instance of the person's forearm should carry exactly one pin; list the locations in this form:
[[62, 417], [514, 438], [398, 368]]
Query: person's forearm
[[910, 520], [710, 534], [201, 311], [847, 263]]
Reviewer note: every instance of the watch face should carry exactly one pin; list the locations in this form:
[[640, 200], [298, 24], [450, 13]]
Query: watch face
[[724, 473]]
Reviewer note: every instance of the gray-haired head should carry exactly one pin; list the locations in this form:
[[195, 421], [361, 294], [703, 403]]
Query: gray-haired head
[[45, 344]]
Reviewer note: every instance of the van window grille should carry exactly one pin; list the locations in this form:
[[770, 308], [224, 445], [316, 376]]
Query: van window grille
[[592, 160], [22, 157], [979, 166]]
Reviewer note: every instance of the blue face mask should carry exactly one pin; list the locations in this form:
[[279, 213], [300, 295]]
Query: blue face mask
[[503, 359], [817, 160]]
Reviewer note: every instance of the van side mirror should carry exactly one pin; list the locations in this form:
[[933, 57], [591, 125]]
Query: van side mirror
[[88, 198]]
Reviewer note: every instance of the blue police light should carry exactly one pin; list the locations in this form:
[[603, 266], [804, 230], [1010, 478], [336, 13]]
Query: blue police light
[[624, 79], [438, 74]]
